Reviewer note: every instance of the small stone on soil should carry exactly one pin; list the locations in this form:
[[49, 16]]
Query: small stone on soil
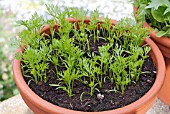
[[149, 81], [154, 72], [100, 96]]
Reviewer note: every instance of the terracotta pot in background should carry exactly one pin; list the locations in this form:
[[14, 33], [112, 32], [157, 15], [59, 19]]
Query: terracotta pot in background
[[141, 106], [164, 45], [163, 42], [164, 94]]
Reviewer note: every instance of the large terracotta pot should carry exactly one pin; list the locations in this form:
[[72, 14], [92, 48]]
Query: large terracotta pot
[[163, 42], [141, 106]]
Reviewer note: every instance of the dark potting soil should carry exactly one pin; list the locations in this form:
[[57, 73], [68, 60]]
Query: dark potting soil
[[100, 101], [106, 99]]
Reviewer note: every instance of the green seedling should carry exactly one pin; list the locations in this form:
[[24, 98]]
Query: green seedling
[[118, 56]]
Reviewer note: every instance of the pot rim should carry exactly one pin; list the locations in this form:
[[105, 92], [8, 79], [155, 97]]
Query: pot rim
[[34, 98]]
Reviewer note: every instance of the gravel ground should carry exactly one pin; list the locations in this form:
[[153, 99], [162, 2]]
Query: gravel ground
[[159, 108]]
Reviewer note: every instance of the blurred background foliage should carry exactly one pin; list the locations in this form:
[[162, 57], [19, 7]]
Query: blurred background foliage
[[7, 84], [13, 10]]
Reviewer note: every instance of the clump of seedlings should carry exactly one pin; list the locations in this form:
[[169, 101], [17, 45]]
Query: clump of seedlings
[[91, 53]]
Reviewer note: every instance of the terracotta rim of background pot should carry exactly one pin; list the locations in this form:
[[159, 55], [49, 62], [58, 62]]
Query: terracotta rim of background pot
[[38, 105], [163, 42]]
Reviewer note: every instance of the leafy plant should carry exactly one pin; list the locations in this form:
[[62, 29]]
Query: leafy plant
[[82, 51], [156, 13]]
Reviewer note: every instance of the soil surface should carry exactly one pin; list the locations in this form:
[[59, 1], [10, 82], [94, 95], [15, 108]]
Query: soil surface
[[105, 99], [100, 101]]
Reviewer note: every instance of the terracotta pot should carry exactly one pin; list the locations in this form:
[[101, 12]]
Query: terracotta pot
[[164, 94], [141, 106], [163, 42]]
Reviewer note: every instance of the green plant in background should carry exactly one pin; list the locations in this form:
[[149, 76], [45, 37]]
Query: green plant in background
[[119, 59], [156, 13], [7, 84]]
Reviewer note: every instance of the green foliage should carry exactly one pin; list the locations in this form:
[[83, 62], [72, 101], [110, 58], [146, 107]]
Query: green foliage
[[34, 23], [119, 60], [157, 3], [36, 60], [7, 85], [157, 13], [68, 78]]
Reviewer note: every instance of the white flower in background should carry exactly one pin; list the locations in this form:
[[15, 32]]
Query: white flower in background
[[5, 76]]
